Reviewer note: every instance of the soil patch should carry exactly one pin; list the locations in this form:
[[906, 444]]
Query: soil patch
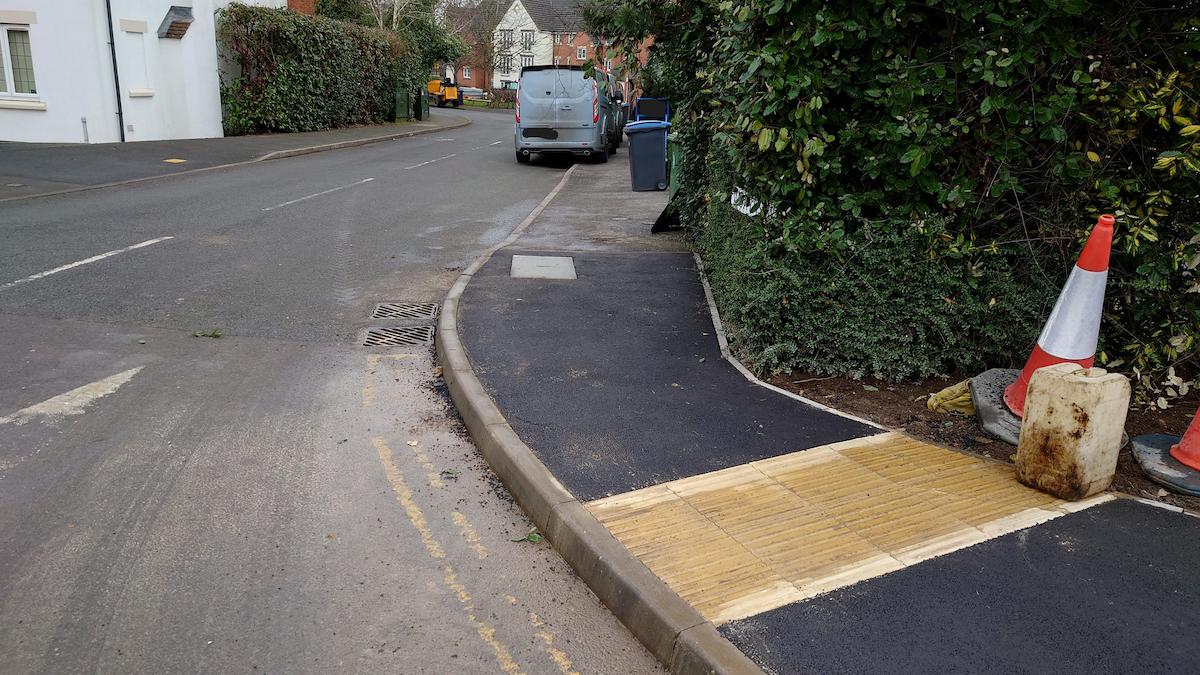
[[899, 406]]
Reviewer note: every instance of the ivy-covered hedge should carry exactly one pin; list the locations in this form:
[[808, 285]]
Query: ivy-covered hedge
[[931, 169], [294, 72], [303, 73]]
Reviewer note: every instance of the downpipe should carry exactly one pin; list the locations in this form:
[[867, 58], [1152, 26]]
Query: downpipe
[[112, 49]]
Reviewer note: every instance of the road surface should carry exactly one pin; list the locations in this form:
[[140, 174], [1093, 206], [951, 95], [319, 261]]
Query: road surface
[[279, 498]]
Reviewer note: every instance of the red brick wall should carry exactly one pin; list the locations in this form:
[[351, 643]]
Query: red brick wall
[[567, 52], [479, 78], [303, 6]]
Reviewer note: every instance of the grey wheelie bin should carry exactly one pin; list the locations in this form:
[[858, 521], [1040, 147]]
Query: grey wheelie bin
[[648, 154]]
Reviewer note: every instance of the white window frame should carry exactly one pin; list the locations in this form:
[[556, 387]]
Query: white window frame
[[10, 82], [558, 60], [527, 40], [506, 63], [581, 53], [507, 36], [466, 71], [570, 38], [557, 38], [526, 60]]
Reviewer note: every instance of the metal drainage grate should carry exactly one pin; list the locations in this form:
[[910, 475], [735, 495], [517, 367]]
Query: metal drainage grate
[[398, 336], [416, 311]]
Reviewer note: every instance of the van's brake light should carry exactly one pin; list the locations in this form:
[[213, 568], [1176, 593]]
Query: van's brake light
[[517, 107], [595, 102]]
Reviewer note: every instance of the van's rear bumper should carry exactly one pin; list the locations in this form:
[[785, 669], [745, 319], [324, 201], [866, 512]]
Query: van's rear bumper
[[576, 141], [558, 151]]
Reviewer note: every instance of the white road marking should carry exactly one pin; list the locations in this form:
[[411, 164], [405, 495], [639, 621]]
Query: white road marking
[[496, 143], [317, 194], [416, 166], [72, 402], [85, 261]]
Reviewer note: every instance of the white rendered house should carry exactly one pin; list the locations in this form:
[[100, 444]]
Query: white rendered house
[[63, 80], [527, 35]]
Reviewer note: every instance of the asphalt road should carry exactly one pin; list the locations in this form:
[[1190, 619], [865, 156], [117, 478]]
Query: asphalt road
[[279, 499]]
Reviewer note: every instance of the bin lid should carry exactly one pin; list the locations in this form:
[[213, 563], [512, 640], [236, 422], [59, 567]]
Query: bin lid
[[646, 125]]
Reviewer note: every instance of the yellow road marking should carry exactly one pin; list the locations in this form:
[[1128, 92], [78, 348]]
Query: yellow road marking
[[559, 656], [435, 481], [746, 539], [468, 532], [434, 549], [404, 496], [175, 160]]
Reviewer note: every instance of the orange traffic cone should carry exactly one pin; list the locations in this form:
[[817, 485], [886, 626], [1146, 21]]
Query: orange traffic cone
[[1187, 450], [1073, 328]]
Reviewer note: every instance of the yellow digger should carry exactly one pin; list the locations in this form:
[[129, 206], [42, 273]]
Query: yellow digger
[[444, 92]]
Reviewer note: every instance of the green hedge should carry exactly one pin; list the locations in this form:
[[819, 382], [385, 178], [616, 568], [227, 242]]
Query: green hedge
[[933, 168], [304, 73]]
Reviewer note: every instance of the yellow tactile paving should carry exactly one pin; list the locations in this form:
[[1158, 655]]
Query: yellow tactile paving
[[749, 538]]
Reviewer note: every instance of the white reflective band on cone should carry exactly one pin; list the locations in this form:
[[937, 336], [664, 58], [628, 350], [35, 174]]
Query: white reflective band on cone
[[1073, 328]]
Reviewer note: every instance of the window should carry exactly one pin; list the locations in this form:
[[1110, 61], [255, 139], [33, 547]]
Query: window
[[526, 40], [557, 60], [506, 62], [608, 64], [466, 72], [570, 38], [506, 38], [16, 62], [558, 38], [581, 53], [526, 60]]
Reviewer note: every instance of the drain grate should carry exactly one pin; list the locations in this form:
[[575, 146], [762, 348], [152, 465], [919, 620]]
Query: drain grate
[[417, 311], [398, 336]]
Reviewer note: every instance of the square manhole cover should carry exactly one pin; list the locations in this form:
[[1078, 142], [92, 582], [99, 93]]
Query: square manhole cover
[[398, 336], [542, 267], [415, 311]]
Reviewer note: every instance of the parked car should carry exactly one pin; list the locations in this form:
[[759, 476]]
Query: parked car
[[560, 110], [474, 93]]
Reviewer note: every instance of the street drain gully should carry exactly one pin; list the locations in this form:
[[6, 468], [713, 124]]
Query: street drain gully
[[398, 336], [414, 311]]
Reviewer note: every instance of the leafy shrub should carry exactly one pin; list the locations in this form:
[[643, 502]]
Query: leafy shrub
[[946, 158], [303, 73], [503, 98]]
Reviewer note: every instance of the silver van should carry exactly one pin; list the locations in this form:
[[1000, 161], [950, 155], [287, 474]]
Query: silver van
[[561, 110]]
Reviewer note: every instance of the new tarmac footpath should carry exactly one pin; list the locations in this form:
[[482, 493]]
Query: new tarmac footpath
[[737, 528]]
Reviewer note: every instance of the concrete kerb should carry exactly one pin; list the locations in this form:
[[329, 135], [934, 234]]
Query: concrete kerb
[[278, 154], [668, 626]]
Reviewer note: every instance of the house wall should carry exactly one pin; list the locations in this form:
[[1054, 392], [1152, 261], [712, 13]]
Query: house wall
[[567, 50], [169, 88], [72, 84], [479, 78], [518, 19]]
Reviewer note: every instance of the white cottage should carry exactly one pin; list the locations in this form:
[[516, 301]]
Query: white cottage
[[102, 71]]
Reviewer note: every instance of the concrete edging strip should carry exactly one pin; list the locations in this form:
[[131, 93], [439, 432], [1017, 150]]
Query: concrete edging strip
[[741, 368], [671, 629], [277, 154]]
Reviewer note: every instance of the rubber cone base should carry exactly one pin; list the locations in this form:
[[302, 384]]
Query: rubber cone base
[[1153, 453], [987, 393]]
